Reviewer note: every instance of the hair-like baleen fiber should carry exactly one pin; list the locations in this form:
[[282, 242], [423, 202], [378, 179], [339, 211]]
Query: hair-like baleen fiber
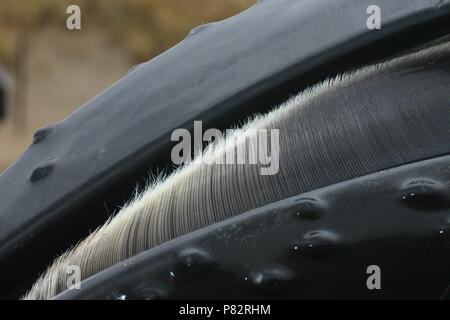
[[356, 123]]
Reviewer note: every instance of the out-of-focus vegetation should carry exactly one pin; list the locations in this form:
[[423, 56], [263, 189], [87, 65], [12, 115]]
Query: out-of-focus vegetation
[[55, 70], [143, 27]]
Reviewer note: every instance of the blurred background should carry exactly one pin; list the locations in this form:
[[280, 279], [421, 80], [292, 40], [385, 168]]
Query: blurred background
[[48, 71]]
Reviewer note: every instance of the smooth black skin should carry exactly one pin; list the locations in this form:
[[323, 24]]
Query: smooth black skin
[[279, 252], [58, 190]]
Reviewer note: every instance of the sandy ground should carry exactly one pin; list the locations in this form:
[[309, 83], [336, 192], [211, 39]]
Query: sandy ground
[[65, 70]]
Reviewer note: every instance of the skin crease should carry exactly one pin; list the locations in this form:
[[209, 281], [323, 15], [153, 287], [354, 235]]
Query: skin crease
[[200, 194]]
